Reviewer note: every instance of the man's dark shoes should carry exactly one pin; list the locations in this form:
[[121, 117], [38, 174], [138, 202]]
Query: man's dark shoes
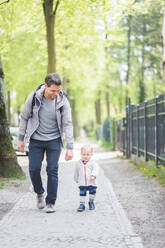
[[81, 208], [91, 205]]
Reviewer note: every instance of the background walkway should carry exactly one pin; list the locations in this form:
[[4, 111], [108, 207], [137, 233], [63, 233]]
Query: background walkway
[[107, 226]]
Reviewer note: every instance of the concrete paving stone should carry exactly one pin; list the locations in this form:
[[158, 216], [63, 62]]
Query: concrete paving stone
[[107, 226]]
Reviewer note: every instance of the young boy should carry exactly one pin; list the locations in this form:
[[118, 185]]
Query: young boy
[[85, 175]]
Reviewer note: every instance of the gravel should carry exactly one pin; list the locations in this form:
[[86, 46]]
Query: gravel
[[142, 198]]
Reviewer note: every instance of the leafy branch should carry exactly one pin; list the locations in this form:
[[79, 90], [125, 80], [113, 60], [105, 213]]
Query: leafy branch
[[7, 1]]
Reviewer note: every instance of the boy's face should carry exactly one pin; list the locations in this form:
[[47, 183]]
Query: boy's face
[[86, 155]]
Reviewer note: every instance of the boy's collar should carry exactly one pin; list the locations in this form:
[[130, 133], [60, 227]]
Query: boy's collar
[[84, 162]]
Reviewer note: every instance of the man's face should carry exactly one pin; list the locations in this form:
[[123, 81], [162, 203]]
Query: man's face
[[52, 91]]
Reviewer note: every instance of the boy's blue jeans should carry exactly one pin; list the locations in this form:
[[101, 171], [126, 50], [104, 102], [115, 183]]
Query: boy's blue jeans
[[90, 188], [36, 155]]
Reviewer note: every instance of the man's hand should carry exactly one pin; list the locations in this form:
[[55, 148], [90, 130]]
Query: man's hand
[[69, 154], [21, 146]]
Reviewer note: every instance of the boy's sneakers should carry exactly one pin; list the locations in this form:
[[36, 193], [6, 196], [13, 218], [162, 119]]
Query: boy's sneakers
[[91, 205], [40, 201], [81, 208], [50, 208]]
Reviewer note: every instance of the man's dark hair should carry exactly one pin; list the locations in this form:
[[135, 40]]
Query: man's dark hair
[[53, 78]]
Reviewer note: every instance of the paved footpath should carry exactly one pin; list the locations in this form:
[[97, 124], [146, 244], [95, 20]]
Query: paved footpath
[[107, 226]]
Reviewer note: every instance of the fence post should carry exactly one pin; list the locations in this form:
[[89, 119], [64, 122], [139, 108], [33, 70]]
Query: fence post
[[145, 132], [156, 131], [137, 129], [128, 131], [123, 135], [131, 126], [113, 135]]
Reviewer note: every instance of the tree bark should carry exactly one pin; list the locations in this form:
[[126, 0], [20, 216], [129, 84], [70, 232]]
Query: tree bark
[[163, 43], [107, 98], [128, 58], [142, 92], [98, 108], [107, 86], [76, 129], [50, 15], [8, 106], [9, 166]]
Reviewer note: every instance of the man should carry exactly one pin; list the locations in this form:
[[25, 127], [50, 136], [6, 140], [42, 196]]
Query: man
[[44, 119]]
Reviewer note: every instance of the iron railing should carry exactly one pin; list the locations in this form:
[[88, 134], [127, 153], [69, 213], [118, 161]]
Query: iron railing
[[144, 131], [141, 132]]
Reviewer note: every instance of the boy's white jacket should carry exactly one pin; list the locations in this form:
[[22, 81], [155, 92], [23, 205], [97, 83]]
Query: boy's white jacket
[[83, 172]]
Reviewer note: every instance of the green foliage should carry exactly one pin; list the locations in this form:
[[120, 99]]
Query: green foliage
[[107, 145], [11, 181], [149, 169], [91, 51], [2, 184]]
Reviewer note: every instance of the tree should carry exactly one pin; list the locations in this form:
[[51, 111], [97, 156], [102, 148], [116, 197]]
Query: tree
[[50, 15], [8, 161], [129, 18], [85, 59], [163, 42]]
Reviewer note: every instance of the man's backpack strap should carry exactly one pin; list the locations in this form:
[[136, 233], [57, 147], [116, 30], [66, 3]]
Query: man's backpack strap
[[33, 99]]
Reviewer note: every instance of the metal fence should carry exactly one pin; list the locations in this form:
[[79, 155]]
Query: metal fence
[[144, 130], [119, 134], [141, 132], [104, 132]]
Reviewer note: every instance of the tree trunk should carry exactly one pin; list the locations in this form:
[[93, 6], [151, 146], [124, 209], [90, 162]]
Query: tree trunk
[[163, 41], [107, 93], [8, 106], [76, 129], [107, 98], [8, 161], [128, 58], [121, 96], [50, 15], [98, 108], [142, 93]]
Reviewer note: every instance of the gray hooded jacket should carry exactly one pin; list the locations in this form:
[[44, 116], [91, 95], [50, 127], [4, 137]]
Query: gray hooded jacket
[[29, 125]]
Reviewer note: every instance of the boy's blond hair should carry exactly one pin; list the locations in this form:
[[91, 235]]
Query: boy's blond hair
[[87, 148]]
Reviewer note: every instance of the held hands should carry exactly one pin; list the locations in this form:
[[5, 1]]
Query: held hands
[[21, 146], [69, 154]]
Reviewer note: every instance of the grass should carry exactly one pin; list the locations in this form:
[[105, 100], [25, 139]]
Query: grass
[[149, 170], [106, 145], [91, 135], [10, 181], [2, 184]]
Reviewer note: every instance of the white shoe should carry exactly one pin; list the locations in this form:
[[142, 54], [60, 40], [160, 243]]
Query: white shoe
[[40, 201], [50, 208]]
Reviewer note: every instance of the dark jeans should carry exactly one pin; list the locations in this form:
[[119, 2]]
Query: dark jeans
[[90, 188], [36, 155]]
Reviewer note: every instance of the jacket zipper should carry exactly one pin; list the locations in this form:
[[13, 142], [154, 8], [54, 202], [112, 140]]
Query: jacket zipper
[[85, 175]]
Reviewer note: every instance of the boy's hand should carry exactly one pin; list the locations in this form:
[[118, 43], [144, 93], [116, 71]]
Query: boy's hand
[[92, 178], [69, 154]]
